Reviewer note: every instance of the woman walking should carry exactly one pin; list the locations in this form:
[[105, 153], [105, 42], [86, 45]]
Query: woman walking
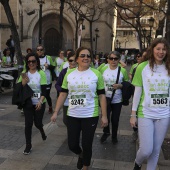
[[151, 103], [112, 81], [34, 80], [83, 86]]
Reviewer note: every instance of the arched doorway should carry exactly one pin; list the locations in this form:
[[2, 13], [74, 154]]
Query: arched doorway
[[52, 42]]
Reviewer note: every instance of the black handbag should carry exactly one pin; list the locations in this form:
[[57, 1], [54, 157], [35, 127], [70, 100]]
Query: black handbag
[[109, 100]]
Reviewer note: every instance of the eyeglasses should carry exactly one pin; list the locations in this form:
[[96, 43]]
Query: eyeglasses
[[85, 55], [113, 59], [31, 61], [138, 56], [40, 49], [71, 60]]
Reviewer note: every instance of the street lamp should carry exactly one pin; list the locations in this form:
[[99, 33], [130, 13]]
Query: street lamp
[[144, 37], [41, 2], [112, 36], [97, 36], [151, 22], [80, 28]]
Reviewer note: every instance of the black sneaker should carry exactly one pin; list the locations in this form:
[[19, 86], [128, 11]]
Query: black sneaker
[[80, 163], [104, 137], [44, 137], [114, 141], [27, 149], [137, 167]]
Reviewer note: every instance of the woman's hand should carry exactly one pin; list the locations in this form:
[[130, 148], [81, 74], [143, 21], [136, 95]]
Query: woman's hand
[[54, 117], [133, 119], [25, 80], [117, 86], [38, 106], [46, 65], [104, 121]]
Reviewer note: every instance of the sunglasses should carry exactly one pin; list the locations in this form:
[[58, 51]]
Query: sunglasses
[[71, 60], [113, 59], [139, 56], [85, 55], [40, 49], [31, 61]]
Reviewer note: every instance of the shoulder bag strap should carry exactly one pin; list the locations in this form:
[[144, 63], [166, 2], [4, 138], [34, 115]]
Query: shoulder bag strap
[[117, 80]]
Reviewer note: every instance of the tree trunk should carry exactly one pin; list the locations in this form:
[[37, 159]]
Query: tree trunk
[[91, 36], [15, 35], [168, 23], [76, 35], [61, 22]]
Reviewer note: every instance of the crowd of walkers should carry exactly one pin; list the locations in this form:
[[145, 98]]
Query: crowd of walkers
[[89, 89]]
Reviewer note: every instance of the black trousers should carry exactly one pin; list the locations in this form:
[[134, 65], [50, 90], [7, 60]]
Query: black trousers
[[48, 89], [32, 115], [113, 111], [65, 108], [74, 128]]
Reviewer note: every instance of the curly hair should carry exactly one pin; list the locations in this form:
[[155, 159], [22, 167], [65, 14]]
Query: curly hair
[[37, 59], [150, 54]]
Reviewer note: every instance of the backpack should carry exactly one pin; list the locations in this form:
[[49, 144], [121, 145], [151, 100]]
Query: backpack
[[127, 92]]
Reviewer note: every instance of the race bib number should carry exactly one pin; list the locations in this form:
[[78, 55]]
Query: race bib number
[[77, 101], [42, 67], [159, 100], [36, 96]]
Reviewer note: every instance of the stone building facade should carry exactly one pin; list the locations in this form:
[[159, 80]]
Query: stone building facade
[[26, 16]]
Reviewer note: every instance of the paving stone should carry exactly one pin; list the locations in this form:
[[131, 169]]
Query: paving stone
[[2, 160], [119, 165], [12, 137], [125, 150], [164, 167], [61, 160], [5, 153], [62, 167], [103, 164]]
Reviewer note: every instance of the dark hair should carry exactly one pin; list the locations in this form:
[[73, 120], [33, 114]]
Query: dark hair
[[139, 53], [28, 49], [60, 51], [116, 53], [106, 57], [5, 50], [37, 59], [150, 55], [71, 54], [80, 49]]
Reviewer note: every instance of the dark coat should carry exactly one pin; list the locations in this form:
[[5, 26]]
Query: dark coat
[[22, 96], [127, 92]]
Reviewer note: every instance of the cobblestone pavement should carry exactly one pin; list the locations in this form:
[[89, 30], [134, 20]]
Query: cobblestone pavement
[[53, 154]]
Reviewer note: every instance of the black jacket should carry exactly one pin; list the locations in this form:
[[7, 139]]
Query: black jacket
[[22, 96]]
